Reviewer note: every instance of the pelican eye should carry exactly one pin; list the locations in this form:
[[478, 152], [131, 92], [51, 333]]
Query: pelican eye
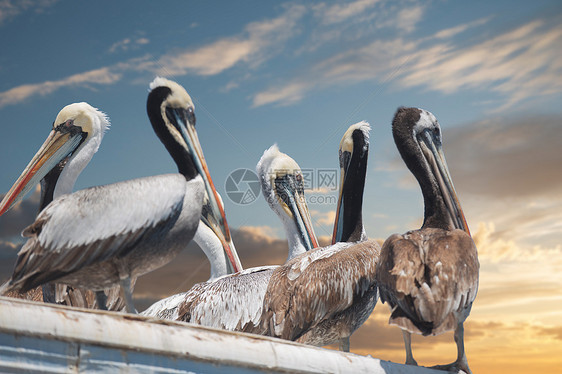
[[283, 186], [68, 127], [191, 115]]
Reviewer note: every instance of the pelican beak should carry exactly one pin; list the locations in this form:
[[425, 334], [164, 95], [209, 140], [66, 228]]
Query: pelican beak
[[293, 197], [216, 218], [433, 152], [209, 218], [59, 146], [345, 159]]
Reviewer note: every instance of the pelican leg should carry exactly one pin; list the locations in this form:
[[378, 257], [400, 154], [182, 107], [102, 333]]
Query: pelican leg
[[461, 363], [408, 345], [101, 299], [127, 295], [344, 344]]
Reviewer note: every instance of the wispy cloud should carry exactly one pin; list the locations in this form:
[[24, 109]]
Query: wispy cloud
[[252, 47], [21, 93], [128, 44], [257, 43], [409, 17], [453, 31], [10, 9], [517, 64], [346, 68], [337, 13]]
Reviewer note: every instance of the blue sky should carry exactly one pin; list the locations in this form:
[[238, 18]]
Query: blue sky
[[263, 72], [298, 75]]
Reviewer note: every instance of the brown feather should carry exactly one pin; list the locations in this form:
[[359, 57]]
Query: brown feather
[[429, 277], [303, 305]]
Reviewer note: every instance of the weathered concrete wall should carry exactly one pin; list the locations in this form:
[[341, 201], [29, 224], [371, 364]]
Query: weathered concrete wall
[[54, 339]]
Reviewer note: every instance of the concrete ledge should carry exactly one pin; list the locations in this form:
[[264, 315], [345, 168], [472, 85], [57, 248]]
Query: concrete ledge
[[55, 339]]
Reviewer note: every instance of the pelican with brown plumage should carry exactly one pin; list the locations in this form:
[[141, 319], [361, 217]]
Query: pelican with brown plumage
[[134, 226], [234, 302], [429, 276], [322, 296]]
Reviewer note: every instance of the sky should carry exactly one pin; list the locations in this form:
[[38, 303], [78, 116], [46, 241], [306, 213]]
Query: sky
[[264, 72]]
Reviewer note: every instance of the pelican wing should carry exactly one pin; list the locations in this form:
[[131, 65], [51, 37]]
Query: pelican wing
[[232, 302], [430, 279], [317, 285], [95, 224]]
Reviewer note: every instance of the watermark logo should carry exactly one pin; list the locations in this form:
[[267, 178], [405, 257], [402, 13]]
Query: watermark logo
[[242, 186]]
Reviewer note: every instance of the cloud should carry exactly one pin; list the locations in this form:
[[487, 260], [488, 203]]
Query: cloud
[[10, 9], [453, 31], [506, 172], [103, 76], [512, 155], [556, 332], [266, 233], [323, 218], [20, 216], [339, 13], [257, 43], [518, 64], [252, 47], [348, 67], [409, 17], [285, 95], [128, 44]]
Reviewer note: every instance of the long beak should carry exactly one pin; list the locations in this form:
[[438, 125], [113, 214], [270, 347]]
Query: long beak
[[216, 218], [301, 215], [438, 164], [209, 218], [57, 147], [338, 222]]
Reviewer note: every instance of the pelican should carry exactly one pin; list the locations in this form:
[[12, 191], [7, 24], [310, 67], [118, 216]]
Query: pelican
[[429, 276], [57, 173], [234, 302], [133, 227], [321, 297]]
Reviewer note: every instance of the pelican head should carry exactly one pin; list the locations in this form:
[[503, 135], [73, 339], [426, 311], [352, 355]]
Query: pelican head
[[353, 152], [171, 112], [76, 135], [417, 135], [282, 186]]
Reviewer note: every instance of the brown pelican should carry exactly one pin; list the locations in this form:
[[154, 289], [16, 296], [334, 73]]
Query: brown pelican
[[234, 302], [429, 276], [321, 297], [58, 171], [134, 226]]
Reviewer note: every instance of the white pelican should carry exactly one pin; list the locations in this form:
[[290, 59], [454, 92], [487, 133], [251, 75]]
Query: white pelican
[[429, 276], [234, 302], [133, 227], [321, 297]]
